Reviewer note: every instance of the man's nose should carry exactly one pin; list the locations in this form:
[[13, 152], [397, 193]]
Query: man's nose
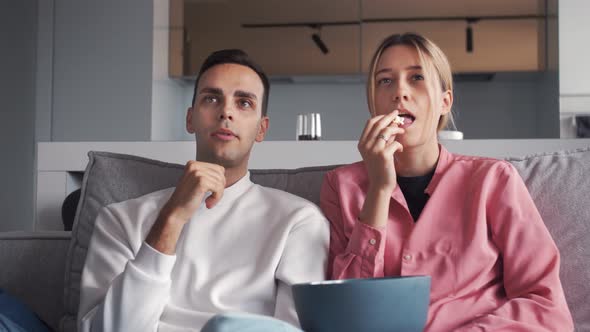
[[227, 112]]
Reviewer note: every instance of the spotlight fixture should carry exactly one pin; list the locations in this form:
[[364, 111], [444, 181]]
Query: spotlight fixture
[[320, 43], [469, 39], [317, 39], [469, 34]]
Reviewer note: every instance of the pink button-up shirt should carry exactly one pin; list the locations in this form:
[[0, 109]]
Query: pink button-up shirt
[[494, 265]]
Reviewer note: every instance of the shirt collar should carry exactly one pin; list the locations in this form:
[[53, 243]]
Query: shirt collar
[[444, 159], [235, 190]]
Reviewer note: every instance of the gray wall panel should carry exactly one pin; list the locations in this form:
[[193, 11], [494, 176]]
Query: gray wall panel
[[18, 22], [102, 74]]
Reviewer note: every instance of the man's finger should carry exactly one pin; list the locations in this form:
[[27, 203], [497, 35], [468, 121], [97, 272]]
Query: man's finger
[[214, 198]]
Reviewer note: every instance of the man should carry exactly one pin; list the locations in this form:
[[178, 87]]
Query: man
[[216, 243]]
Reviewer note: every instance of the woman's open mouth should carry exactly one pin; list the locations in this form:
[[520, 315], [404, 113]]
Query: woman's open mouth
[[407, 118]]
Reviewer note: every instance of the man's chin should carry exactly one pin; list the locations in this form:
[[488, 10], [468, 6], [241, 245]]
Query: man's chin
[[226, 160], [228, 157]]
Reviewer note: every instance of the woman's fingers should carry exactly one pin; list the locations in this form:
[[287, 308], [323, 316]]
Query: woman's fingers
[[393, 147], [373, 128], [384, 122], [386, 135], [369, 127]]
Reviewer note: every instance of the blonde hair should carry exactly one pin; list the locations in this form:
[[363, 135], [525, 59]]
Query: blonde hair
[[432, 59]]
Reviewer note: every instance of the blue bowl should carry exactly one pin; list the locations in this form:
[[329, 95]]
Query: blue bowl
[[354, 305]]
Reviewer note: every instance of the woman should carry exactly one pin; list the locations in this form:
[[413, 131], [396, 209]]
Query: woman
[[413, 208]]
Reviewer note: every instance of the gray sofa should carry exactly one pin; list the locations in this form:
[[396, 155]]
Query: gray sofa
[[43, 269]]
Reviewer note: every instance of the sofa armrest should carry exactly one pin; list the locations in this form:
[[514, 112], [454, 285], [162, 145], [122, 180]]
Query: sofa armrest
[[32, 269]]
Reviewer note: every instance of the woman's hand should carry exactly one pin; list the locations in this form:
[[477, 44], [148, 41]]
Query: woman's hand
[[377, 146]]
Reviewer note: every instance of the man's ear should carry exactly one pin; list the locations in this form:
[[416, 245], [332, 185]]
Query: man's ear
[[262, 128], [447, 102], [189, 121]]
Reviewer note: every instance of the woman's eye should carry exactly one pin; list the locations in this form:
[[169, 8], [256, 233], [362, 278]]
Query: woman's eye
[[418, 77], [384, 81]]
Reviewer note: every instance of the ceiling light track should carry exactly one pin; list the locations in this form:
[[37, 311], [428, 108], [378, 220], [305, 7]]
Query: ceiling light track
[[317, 39], [394, 20]]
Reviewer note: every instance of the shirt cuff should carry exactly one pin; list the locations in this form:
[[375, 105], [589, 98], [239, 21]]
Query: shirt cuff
[[366, 241], [154, 263]]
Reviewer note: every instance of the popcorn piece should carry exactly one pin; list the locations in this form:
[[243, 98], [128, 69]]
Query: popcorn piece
[[398, 120]]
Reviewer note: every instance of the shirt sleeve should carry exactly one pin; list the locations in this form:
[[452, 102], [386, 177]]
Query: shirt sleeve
[[536, 301], [358, 255], [121, 291], [304, 259]]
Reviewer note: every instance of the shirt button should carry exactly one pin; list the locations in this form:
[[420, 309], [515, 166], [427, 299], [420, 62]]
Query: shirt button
[[372, 241], [407, 257]]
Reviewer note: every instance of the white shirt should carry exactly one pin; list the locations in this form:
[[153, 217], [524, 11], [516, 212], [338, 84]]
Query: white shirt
[[240, 256]]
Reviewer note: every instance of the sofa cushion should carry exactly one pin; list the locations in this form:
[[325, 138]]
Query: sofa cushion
[[112, 177], [32, 270], [559, 184]]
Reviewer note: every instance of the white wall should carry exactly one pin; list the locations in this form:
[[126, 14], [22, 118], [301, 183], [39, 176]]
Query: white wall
[[574, 47], [574, 51], [18, 24]]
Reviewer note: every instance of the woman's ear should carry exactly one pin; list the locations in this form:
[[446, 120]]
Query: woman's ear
[[447, 102], [189, 121]]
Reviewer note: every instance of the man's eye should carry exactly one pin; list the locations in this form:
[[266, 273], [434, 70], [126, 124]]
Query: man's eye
[[384, 81], [210, 99], [245, 104]]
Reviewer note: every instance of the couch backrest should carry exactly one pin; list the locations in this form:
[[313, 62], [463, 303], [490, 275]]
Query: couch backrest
[[557, 183]]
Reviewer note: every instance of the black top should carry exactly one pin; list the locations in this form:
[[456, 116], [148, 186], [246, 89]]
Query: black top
[[413, 190]]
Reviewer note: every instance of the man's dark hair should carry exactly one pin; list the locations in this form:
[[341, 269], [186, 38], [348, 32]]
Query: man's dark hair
[[238, 57]]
